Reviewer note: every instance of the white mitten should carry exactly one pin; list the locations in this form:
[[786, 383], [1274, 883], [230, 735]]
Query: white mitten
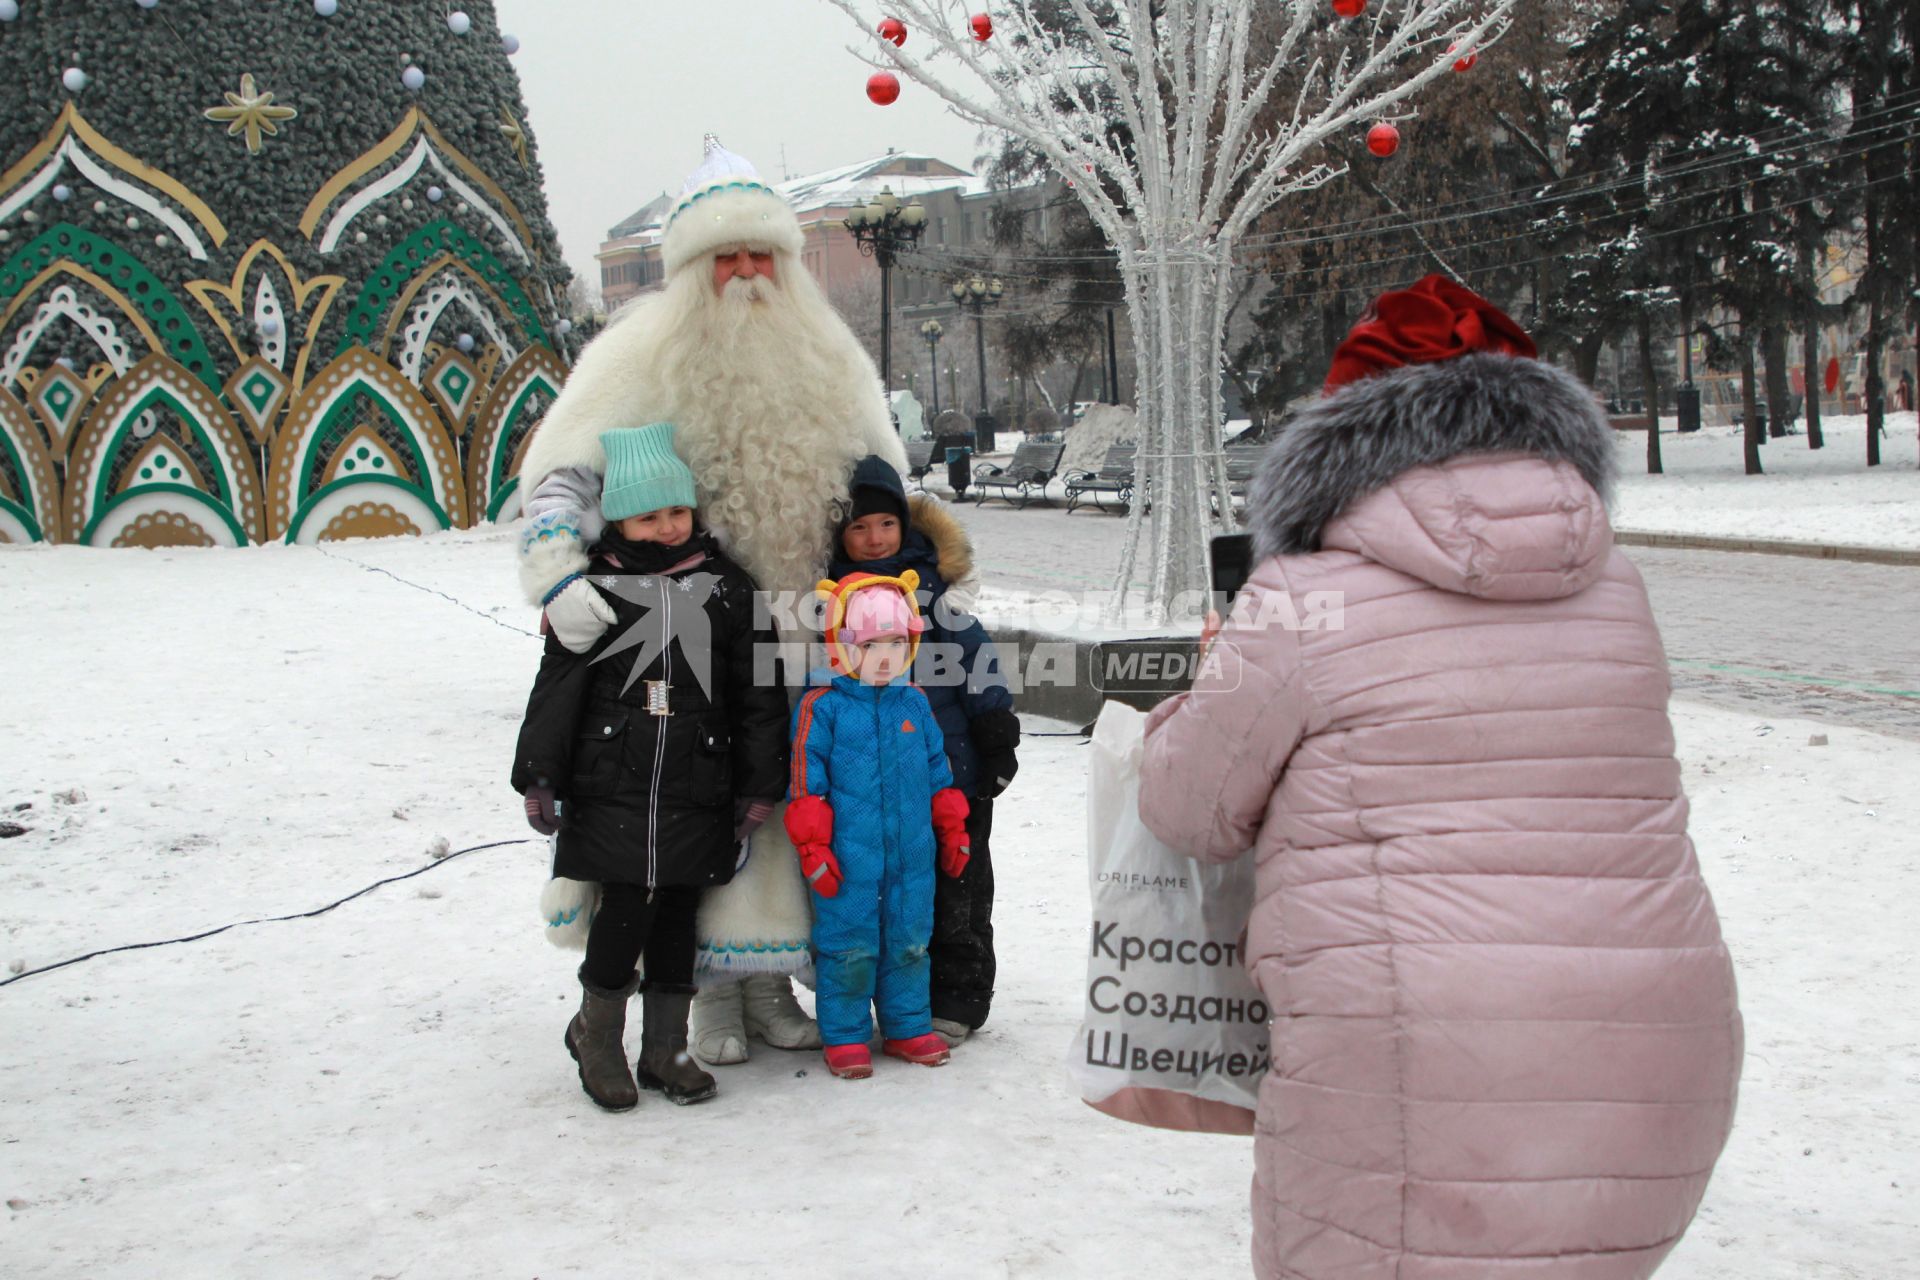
[[578, 616], [568, 907]]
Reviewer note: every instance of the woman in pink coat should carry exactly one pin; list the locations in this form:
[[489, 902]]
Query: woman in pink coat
[[1505, 1041]]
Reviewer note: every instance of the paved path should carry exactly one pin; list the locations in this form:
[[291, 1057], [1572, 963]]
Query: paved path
[[1775, 635]]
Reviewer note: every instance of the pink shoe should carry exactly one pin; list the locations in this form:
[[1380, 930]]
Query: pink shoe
[[849, 1061], [928, 1050]]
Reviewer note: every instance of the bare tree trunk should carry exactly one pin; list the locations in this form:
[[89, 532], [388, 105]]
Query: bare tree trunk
[[1750, 404], [1649, 380], [1810, 330], [1876, 385], [1773, 346], [1586, 358]]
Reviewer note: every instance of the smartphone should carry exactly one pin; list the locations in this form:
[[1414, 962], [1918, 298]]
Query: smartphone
[[1231, 556]]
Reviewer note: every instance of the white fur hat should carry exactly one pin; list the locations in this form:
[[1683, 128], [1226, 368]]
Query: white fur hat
[[724, 202]]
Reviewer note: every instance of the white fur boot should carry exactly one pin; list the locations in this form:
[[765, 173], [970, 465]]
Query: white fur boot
[[775, 1016], [718, 1034]]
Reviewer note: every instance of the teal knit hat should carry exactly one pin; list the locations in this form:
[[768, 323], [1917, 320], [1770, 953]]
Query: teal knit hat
[[643, 472]]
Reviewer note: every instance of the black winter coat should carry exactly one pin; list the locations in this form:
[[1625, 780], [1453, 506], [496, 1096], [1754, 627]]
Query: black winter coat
[[649, 799]]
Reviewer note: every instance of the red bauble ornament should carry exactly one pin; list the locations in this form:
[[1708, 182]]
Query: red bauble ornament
[[883, 87], [1463, 64], [983, 26], [893, 29], [1349, 8], [1383, 140]]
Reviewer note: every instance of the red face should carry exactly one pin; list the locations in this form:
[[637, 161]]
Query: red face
[[742, 264]]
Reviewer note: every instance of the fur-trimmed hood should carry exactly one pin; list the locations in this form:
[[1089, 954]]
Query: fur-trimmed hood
[[1355, 442], [951, 545]]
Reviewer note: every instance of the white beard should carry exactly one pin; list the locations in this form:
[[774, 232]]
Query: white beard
[[772, 398]]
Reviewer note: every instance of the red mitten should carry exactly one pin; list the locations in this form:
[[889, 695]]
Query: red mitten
[[810, 827], [950, 831]]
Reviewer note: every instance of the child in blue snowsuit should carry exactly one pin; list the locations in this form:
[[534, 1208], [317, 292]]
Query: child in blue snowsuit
[[958, 667], [872, 807]]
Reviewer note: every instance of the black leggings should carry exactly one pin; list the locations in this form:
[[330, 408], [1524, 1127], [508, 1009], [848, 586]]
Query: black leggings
[[634, 919]]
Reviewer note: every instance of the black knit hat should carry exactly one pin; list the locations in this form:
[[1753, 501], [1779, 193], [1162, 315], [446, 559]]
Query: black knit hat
[[876, 489]]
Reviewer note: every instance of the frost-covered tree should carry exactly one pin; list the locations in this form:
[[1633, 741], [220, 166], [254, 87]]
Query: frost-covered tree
[[1159, 112]]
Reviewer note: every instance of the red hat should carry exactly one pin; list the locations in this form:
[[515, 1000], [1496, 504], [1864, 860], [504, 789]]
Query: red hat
[[1435, 320]]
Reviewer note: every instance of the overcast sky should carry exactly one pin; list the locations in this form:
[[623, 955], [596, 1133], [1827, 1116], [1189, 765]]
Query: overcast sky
[[620, 91]]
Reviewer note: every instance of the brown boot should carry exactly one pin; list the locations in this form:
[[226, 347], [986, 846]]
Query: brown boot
[[594, 1038], [665, 1065]]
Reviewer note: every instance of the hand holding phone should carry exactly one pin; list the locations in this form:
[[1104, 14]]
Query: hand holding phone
[[1231, 559]]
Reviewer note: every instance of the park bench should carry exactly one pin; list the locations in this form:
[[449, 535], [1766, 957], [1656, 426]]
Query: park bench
[[920, 460], [1114, 478], [1023, 479]]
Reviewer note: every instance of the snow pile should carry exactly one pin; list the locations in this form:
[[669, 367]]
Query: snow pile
[[1098, 430]]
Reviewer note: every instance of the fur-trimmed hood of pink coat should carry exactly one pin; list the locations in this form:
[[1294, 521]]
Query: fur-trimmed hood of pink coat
[[1506, 1039]]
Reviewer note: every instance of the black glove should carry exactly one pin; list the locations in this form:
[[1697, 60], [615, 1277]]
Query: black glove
[[543, 815], [995, 735]]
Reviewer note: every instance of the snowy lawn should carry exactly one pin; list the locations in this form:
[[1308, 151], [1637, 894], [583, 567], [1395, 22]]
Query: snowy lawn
[[1806, 495], [206, 737]]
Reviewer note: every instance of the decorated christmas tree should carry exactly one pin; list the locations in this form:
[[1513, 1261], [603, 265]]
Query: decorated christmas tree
[[268, 271]]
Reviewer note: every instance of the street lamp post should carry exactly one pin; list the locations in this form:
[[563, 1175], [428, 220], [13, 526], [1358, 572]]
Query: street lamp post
[[976, 295], [931, 331], [884, 230]]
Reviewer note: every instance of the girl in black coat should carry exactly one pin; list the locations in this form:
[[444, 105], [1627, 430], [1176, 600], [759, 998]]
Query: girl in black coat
[[650, 757]]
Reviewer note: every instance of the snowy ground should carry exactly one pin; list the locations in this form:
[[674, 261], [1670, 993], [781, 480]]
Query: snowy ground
[[1825, 495], [380, 1090]]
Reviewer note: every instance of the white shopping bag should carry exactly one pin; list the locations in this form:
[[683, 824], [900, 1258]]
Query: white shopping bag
[[1174, 1032]]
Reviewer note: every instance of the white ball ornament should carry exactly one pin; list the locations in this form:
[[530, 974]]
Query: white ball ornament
[[407, 203], [464, 342], [414, 78], [459, 23], [511, 43], [326, 8], [270, 326], [160, 242], [436, 195], [565, 327], [9, 10], [99, 206], [74, 79], [133, 223], [62, 192], [29, 215], [359, 237]]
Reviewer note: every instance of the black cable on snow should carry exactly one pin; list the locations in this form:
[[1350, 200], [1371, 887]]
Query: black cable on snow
[[298, 915]]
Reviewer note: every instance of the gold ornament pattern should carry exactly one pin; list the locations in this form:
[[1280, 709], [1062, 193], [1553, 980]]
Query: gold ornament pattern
[[251, 112], [516, 135]]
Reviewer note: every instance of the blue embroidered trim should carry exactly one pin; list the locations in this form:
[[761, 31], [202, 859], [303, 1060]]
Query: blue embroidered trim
[[558, 587], [546, 528], [725, 186], [564, 919], [754, 948]]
